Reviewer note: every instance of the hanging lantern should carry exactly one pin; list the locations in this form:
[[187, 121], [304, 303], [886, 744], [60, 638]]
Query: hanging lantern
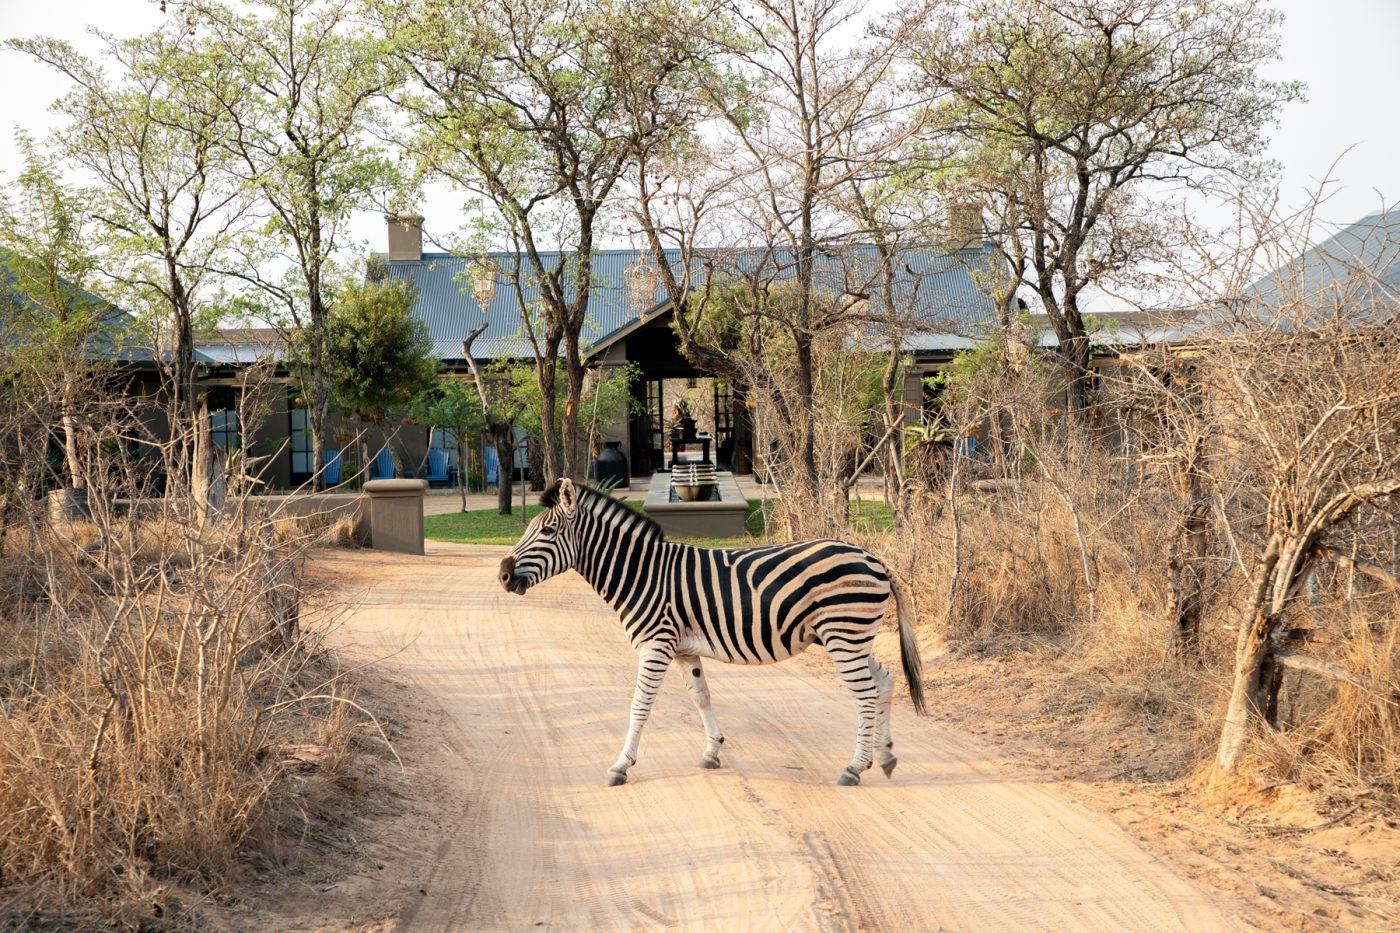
[[639, 281], [483, 281]]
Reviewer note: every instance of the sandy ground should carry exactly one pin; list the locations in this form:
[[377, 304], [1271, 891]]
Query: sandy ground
[[511, 710]]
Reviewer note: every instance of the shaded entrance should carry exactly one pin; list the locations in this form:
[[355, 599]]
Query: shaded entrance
[[667, 377]]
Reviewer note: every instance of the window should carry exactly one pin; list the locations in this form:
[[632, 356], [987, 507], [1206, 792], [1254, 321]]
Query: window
[[223, 417], [300, 436], [223, 428], [443, 439]]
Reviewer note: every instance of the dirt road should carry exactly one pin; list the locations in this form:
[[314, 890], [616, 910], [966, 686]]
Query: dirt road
[[534, 693]]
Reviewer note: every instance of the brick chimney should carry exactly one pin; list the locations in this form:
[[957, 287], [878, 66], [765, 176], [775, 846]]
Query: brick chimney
[[965, 229], [405, 236]]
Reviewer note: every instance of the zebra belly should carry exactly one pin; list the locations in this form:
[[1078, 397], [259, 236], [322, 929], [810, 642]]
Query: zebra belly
[[696, 643]]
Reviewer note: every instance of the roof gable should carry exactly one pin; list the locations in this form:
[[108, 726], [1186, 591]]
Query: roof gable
[[1358, 265]]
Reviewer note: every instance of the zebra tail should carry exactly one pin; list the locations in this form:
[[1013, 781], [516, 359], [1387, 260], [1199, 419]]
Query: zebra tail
[[909, 647]]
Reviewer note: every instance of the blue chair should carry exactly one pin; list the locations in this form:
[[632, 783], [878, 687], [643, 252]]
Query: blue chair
[[437, 468], [383, 466], [492, 465], [331, 475], [454, 469]]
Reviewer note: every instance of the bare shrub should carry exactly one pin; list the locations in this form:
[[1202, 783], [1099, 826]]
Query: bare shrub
[[844, 402], [151, 669], [1297, 379], [1219, 557]]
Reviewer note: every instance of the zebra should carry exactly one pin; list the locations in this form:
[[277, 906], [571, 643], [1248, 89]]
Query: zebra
[[751, 605]]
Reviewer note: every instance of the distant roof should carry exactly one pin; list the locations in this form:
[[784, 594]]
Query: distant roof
[[233, 345], [940, 286], [115, 338], [1123, 331], [1360, 264]]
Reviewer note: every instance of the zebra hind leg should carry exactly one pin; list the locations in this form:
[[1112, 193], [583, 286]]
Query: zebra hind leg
[[853, 661], [700, 695], [884, 744]]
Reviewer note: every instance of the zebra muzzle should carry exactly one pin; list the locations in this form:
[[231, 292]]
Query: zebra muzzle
[[510, 580]]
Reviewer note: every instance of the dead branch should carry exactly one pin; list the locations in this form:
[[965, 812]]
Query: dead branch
[[1302, 662], [1361, 566]]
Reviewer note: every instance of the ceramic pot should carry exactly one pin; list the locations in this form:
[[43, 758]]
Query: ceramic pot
[[611, 464]]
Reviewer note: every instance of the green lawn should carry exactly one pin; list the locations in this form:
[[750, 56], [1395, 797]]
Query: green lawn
[[486, 526], [873, 515], [482, 526]]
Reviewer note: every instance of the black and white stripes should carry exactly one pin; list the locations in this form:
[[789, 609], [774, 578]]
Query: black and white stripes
[[753, 605]]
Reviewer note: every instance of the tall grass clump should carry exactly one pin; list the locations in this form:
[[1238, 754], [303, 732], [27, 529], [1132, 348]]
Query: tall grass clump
[[152, 673]]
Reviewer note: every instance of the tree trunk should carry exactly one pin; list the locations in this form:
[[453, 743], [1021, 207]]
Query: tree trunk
[[461, 464], [547, 374], [1248, 695], [806, 384], [70, 433], [315, 422], [1252, 651], [535, 461], [503, 436], [893, 386], [1075, 355], [1188, 549], [575, 452]]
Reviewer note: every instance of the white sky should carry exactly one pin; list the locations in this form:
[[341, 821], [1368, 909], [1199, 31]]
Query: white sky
[[1345, 50]]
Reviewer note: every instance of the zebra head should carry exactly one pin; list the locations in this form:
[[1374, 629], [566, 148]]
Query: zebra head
[[549, 546]]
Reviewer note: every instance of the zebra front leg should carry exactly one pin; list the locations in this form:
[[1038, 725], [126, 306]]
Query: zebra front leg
[[651, 669], [700, 695]]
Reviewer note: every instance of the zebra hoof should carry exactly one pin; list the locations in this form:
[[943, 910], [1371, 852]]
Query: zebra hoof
[[848, 778], [888, 766], [616, 777], [709, 762]]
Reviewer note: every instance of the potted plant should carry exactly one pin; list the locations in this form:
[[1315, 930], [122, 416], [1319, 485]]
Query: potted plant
[[682, 419]]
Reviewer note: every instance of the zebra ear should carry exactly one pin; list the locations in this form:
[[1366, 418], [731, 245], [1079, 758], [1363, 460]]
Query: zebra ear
[[568, 495]]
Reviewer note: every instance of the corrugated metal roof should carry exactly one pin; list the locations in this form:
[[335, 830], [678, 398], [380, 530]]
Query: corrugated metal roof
[[940, 286], [115, 339], [1359, 264]]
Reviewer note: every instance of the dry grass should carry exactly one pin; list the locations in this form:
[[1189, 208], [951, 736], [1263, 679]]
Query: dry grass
[[1021, 589], [149, 699]]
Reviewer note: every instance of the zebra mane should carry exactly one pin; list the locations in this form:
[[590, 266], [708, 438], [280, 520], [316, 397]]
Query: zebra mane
[[604, 505]]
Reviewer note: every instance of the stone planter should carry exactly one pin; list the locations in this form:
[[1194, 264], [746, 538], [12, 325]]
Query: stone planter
[[68, 505]]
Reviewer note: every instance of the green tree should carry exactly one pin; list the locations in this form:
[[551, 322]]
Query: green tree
[[1072, 121], [453, 404], [527, 106], [607, 394], [153, 135], [378, 356], [47, 264], [307, 96]]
